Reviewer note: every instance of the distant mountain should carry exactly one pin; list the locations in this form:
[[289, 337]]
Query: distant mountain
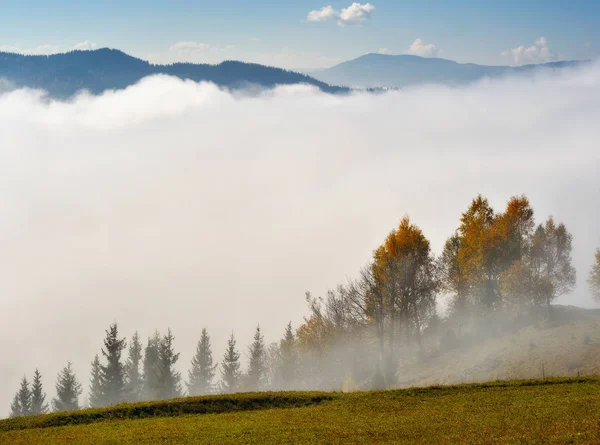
[[383, 70], [63, 75]]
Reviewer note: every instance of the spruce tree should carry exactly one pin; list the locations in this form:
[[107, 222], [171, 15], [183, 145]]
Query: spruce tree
[[15, 407], [113, 373], [25, 397], [96, 396], [170, 378], [230, 367], [257, 365], [200, 377], [151, 383], [38, 396], [133, 372], [68, 390], [289, 357]]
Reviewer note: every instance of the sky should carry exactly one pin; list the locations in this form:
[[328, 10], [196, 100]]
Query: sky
[[308, 34], [177, 204]]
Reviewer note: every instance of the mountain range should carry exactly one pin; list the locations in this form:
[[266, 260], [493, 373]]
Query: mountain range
[[63, 75], [396, 71]]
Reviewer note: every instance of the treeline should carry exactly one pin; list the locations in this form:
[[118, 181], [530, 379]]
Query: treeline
[[495, 267]]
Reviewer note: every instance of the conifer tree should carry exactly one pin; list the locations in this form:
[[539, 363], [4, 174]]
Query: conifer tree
[[257, 364], [151, 382], [96, 396], [289, 357], [38, 396], [202, 373], [170, 378], [113, 373], [25, 397], [68, 390], [15, 407], [132, 368], [230, 367]]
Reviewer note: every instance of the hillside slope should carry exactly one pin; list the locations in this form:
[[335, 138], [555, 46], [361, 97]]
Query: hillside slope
[[383, 70], [555, 411], [63, 75]]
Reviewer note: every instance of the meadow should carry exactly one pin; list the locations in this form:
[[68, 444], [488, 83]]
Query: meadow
[[545, 411]]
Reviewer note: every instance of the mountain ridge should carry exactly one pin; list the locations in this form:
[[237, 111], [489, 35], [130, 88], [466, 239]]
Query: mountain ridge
[[63, 75]]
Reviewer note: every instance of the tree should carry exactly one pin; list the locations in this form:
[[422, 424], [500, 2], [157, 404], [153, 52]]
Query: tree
[[21, 404], [551, 260], [25, 397], [202, 373], [15, 407], [406, 272], [38, 397], [134, 385], [96, 394], [594, 278], [257, 364], [288, 358], [169, 378], [230, 367], [68, 390], [113, 373], [152, 373]]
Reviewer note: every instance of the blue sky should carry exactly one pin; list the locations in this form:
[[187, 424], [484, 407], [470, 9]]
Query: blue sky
[[279, 32]]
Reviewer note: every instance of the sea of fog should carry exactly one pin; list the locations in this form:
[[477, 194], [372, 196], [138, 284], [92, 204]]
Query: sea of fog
[[176, 204]]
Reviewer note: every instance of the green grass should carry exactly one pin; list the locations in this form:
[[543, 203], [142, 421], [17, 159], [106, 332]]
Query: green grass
[[553, 411]]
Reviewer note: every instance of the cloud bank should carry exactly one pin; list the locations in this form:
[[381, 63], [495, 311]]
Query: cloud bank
[[177, 204], [539, 52], [355, 14], [420, 48]]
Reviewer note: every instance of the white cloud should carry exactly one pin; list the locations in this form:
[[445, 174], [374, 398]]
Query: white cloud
[[86, 45], [45, 49], [173, 203], [420, 48], [539, 52], [355, 14], [322, 15], [383, 51], [191, 49]]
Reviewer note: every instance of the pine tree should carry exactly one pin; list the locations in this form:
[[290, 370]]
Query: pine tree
[[151, 381], [170, 379], [68, 390], [113, 374], [38, 396], [132, 368], [257, 365], [15, 407], [96, 396], [25, 397], [230, 367], [289, 358], [200, 377]]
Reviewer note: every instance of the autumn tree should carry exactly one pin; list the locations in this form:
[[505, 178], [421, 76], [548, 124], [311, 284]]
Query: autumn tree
[[68, 390], [407, 277], [594, 278], [230, 367], [38, 396], [202, 372], [551, 260]]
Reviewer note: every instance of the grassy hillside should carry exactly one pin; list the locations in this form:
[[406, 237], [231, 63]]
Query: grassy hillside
[[535, 411], [563, 345]]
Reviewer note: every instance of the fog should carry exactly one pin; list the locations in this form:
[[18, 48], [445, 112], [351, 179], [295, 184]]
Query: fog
[[176, 204]]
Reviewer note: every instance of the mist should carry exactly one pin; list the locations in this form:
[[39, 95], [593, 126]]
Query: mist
[[177, 204]]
